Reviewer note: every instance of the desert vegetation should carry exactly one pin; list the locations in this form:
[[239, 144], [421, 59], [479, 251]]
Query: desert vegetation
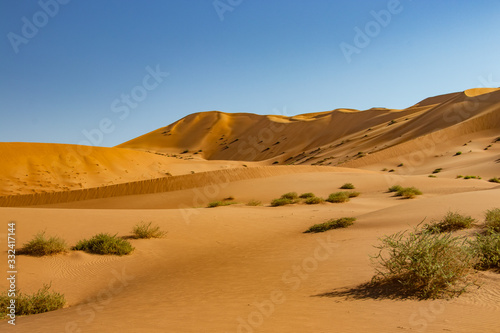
[[147, 230], [452, 221], [342, 222], [104, 243], [42, 245], [42, 301]]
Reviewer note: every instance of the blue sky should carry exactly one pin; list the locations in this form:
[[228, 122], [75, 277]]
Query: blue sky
[[67, 67]]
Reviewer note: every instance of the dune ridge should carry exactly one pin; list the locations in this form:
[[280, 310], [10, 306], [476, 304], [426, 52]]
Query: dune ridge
[[158, 185]]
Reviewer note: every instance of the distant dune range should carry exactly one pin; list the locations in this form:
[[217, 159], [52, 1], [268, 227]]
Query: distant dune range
[[208, 141]]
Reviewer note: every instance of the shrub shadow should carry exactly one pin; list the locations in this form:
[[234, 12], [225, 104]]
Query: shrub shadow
[[372, 290]]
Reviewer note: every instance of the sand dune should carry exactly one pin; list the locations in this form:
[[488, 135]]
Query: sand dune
[[40, 167], [251, 268], [340, 136]]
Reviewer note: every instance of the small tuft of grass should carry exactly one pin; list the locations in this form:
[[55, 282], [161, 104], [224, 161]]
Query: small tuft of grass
[[214, 204], [281, 202], [307, 195], [400, 165], [460, 176], [254, 203], [147, 230], [347, 186], [395, 188], [424, 265], [229, 198], [472, 177], [338, 197], [41, 301], [343, 222], [314, 200], [438, 170], [432, 176], [41, 245], [353, 194], [494, 180], [487, 249], [458, 153], [492, 220], [290, 195], [105, 243], [452, 221], [408, 192]]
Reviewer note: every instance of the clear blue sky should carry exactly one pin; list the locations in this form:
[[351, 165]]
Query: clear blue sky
[[73, 73]]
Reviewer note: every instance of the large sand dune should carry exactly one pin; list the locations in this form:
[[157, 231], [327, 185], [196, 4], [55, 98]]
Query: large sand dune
[[252, 269]]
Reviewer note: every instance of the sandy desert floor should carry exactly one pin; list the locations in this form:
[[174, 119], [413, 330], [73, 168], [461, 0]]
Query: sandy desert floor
[[251, 269]]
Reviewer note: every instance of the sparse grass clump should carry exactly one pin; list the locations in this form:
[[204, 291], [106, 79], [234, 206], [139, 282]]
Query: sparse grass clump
[[353, 194], [494, 180], [487, 250], [338, 197], [347, 186], [281, 202], [460, 176], [104, 243], [41, 245], [41, 301], [254, 203], [423, 264], [458, 153], [431, 176], [343, 222], [492, 220], [314, 201], [395, 188], [438, 170], [307, 195], [214, 204], [147, 230], [472, 177], [408, 192], [452, 221]]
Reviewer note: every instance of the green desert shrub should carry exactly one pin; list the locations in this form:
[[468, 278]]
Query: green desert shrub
[[41, 245], [487, 249], [307, 195], [452, 221], [220, 203], [104, 243], [458, 153], [281, 202], [438, 170], [254, 203], [41, 301], [492, 219], [338, 197], [395, 188], [343, 222], [353, 194], [347, 186], [290, 196], [494, 180], [424, 264], [147, 230], [314, 200], [408, 192]]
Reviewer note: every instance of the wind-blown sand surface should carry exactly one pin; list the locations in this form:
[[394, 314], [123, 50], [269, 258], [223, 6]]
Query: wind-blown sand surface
[[252, 269]]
